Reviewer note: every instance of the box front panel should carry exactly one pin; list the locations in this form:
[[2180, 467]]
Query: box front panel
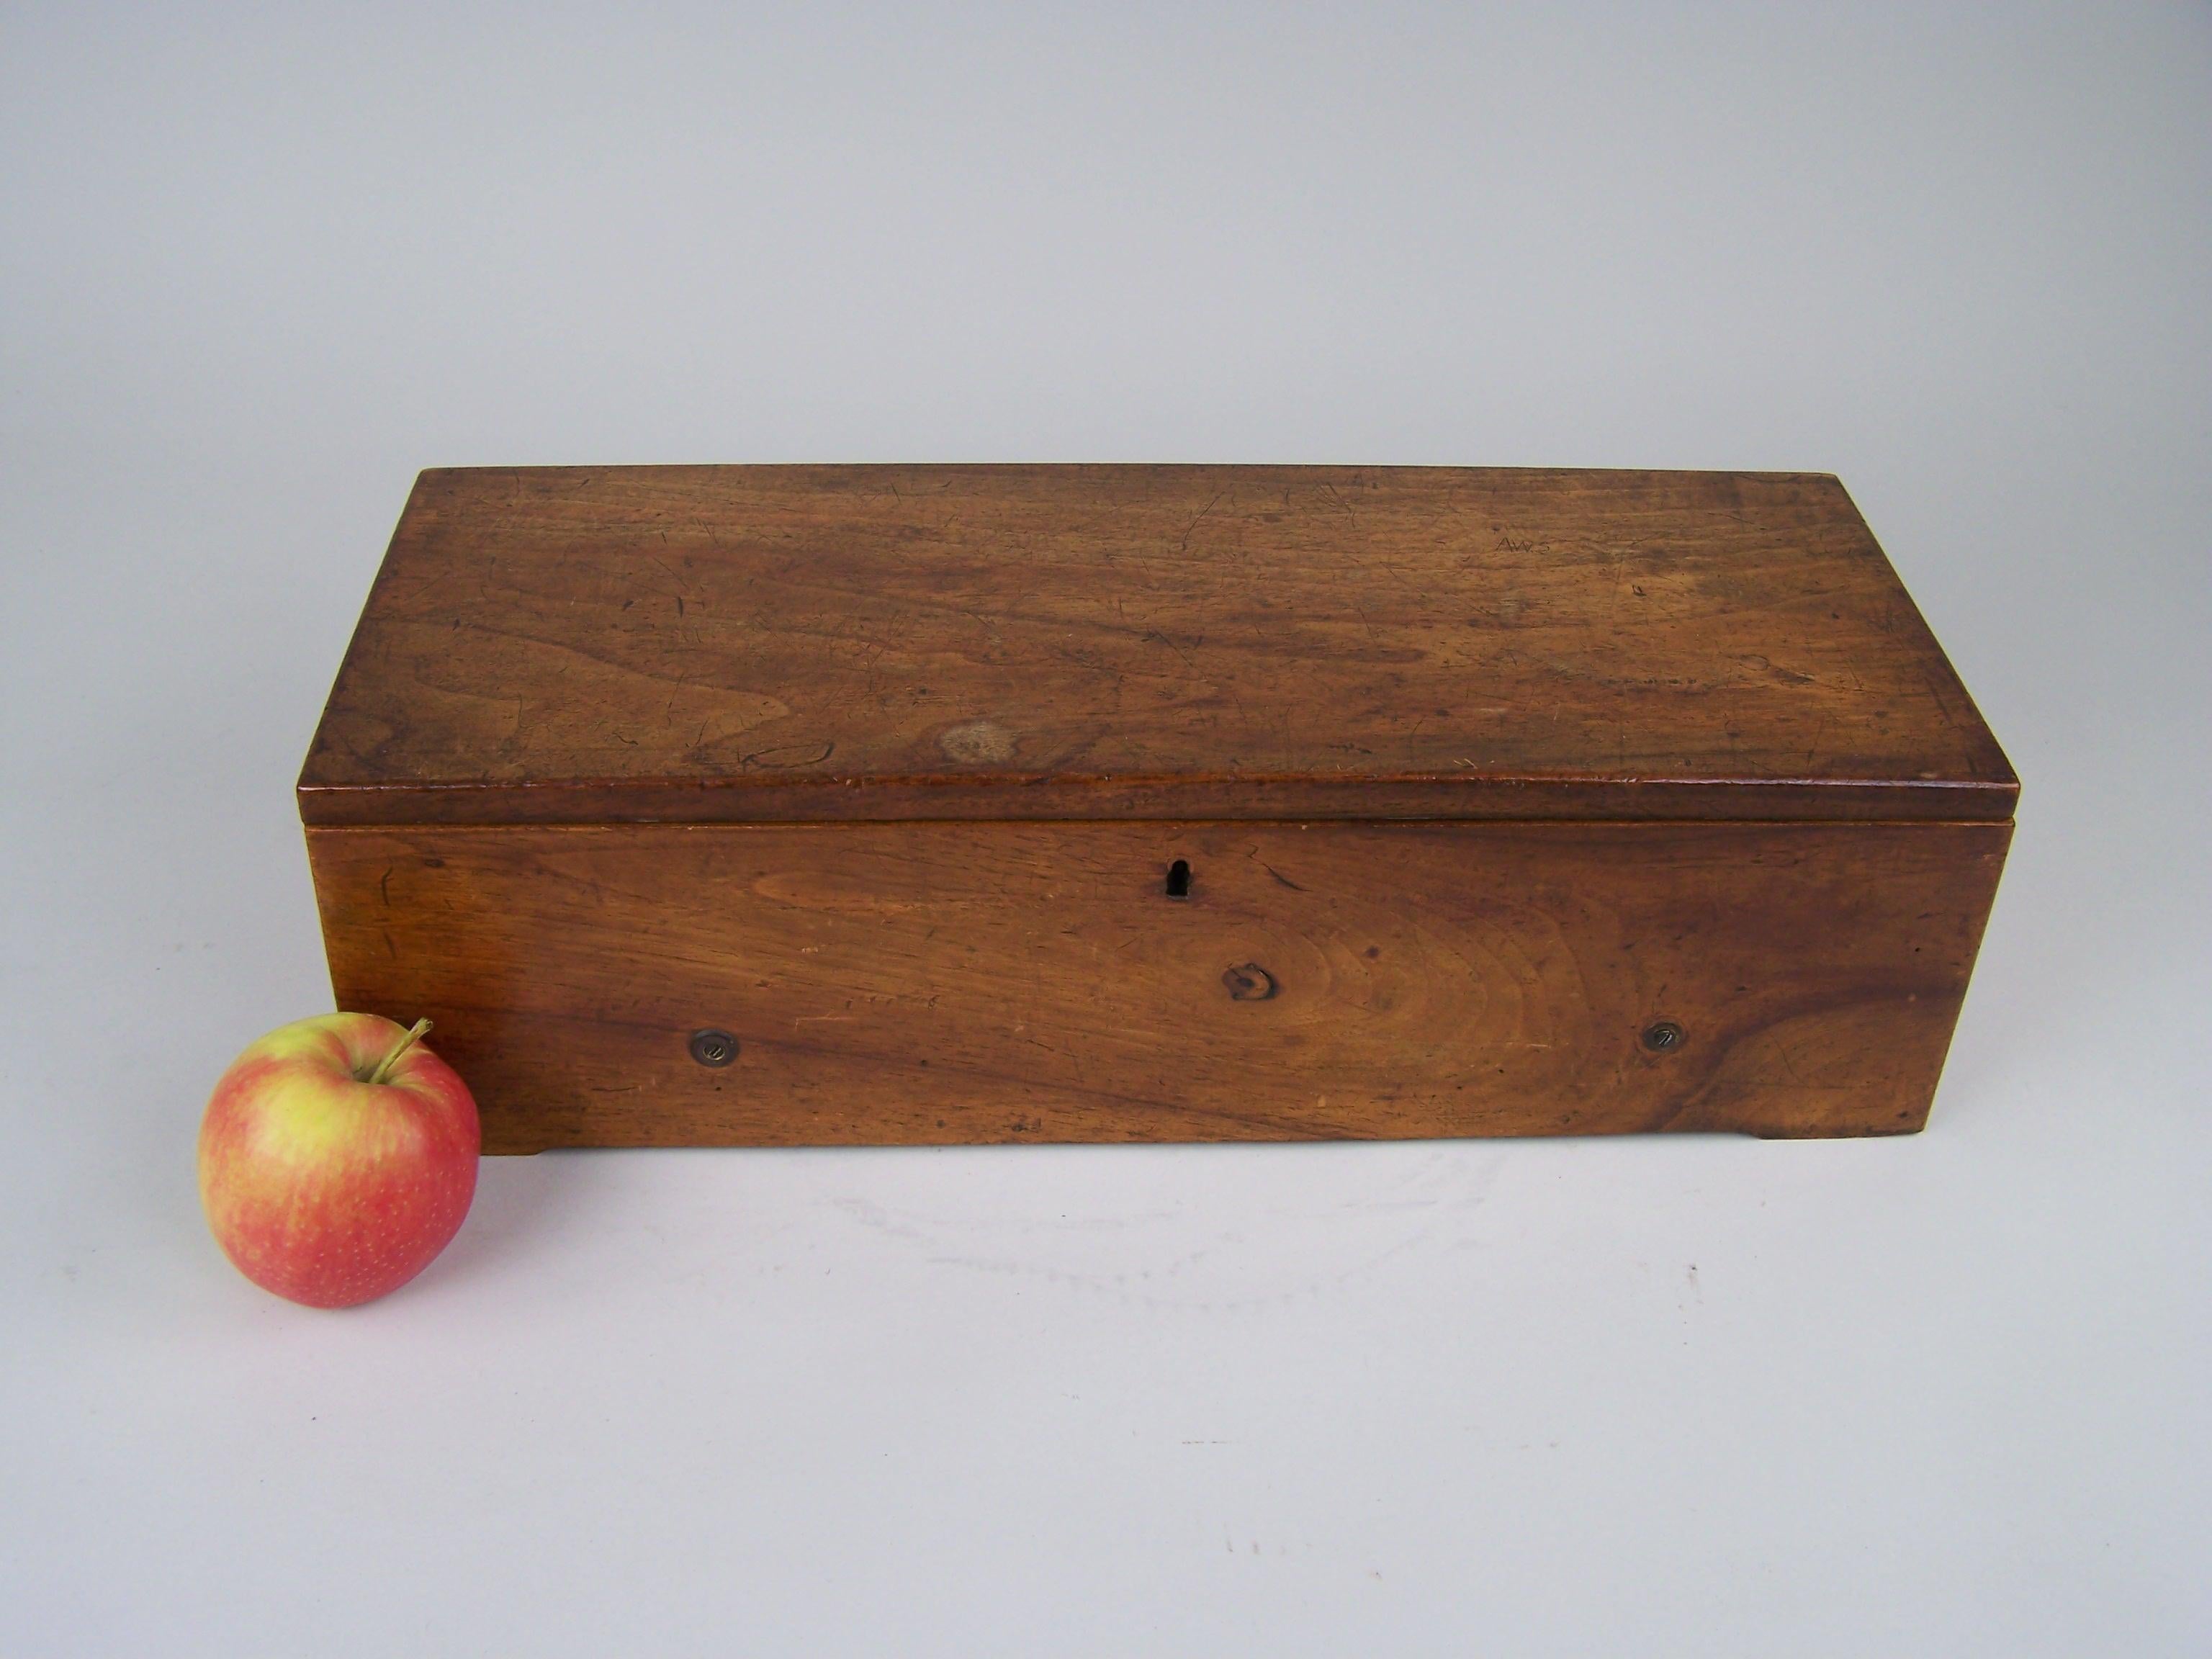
[[917, 983]]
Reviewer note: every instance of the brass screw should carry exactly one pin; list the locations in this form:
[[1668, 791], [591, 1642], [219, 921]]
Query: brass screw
[[714, 1047]]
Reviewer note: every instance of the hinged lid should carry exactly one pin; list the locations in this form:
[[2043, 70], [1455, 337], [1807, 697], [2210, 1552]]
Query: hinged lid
[[730, 644]]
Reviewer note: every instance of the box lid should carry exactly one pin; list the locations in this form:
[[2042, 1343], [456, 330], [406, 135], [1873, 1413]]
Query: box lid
[[752, 643]]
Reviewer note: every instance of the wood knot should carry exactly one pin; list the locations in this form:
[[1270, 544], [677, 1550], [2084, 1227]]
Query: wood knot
[[1248, 982]]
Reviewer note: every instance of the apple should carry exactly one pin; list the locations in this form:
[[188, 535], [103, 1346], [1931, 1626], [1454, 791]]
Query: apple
[[337, 1157]]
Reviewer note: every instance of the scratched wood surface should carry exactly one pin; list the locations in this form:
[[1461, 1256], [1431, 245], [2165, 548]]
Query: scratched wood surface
[[952, 982], [580, 645]]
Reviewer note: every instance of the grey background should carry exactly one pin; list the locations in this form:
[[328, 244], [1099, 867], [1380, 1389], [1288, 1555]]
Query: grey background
[[1699, 1396]]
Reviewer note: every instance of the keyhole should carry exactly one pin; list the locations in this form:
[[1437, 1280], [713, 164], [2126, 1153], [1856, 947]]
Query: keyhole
[[1178, 878]]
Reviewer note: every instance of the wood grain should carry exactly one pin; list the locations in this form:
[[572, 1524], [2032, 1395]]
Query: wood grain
[[950, 982], [745, 644]]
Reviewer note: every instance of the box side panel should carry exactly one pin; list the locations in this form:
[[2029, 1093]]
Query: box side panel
[[955, 982]]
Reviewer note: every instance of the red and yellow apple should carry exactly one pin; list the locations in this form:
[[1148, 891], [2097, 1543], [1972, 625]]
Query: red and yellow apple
[[337, 1157]]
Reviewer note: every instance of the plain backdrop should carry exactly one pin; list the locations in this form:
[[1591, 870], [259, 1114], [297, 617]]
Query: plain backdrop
[[1699, 1396]]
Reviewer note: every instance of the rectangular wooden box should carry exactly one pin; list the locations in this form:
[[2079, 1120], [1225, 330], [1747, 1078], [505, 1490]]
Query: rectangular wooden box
[[1153, 803]]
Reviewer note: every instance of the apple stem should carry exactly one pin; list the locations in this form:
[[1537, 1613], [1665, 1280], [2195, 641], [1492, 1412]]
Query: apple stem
[[412, 1035]]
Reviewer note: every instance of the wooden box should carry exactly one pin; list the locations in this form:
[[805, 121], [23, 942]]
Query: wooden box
[[732, 805]]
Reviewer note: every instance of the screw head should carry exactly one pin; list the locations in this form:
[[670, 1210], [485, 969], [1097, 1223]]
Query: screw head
[[713, 1047], [1662, 1035], [1249, 983]]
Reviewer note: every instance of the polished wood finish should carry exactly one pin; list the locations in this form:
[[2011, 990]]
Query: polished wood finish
[[747, 644], [960, 982], [1512, 803]]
